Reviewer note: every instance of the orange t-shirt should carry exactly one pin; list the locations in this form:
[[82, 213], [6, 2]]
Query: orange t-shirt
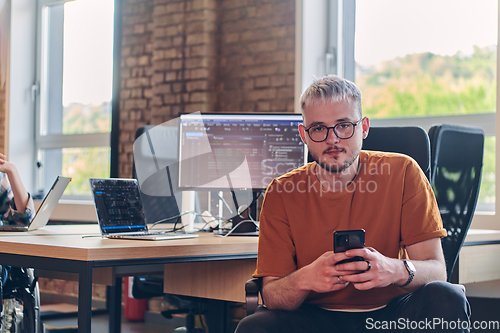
[[390, 198]]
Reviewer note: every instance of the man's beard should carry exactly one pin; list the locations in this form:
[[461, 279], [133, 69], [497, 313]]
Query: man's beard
[[335, 168]]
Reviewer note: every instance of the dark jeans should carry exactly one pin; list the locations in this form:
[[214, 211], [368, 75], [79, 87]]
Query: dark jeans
[[435, 307]]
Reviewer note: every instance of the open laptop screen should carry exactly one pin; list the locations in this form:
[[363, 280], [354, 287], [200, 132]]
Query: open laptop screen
[[118, 205]]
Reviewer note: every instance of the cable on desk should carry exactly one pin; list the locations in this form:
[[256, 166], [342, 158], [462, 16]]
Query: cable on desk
[[218, 219], [236, 227], [176, 217]]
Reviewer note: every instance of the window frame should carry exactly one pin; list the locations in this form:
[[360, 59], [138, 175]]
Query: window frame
[[55, 141]]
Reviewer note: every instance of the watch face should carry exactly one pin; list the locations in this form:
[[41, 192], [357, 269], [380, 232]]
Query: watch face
[[410, 266]]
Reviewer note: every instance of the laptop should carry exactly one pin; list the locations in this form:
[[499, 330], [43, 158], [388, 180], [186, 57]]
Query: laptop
[[120, 212], [46, 208]]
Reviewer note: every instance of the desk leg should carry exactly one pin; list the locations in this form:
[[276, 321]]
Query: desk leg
[[115, 306], [218, 315], [85, 298]]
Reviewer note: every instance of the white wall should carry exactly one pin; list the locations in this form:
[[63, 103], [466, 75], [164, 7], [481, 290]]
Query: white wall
[[22, 76]]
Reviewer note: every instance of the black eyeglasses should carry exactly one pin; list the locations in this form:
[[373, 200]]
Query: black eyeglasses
[[343, 130]]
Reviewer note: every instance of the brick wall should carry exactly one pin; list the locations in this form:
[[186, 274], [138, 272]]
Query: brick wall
[[203, 55], [57, 291], [137, 75], [257, 56]]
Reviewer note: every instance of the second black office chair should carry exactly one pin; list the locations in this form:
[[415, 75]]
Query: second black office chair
[[409, 140], [456, 164]]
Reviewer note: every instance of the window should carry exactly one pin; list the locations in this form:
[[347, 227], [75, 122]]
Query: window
[[75, 73], [428, 62], [417, 62]]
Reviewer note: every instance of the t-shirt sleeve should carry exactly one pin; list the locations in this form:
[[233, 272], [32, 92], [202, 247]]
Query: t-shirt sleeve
[[276, 254], [420, 217], [8, 210], [21, 218]]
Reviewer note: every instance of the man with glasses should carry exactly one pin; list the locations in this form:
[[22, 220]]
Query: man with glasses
[[399, 284]]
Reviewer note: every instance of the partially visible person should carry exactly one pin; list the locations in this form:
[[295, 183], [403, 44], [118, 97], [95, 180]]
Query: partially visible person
[[16, 204]]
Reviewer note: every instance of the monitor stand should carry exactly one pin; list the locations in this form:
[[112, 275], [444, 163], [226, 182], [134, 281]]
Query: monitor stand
[[188, 204], [247, 228]]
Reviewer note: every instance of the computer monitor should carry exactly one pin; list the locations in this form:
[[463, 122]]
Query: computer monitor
[[238, 151]]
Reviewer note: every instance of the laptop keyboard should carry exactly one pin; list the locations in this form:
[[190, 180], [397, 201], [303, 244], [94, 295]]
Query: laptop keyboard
[[143, 234]]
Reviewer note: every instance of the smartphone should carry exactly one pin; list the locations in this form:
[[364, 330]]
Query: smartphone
[[344, 240]]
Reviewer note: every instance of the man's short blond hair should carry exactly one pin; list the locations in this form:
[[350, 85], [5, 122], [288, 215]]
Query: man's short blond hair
[[331, 88]]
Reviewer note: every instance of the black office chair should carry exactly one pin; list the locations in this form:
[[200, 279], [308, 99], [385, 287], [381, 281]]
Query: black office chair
[[409, 140], [456, 164], [150, 158]]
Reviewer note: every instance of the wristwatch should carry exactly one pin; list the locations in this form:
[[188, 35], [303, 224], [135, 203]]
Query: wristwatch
[[411, 270]]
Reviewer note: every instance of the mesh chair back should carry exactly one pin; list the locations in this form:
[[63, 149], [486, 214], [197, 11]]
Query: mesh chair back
[[410, 140], [456, 163]]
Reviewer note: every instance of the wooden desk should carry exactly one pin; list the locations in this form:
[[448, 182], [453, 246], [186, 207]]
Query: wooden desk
[[80, 249]]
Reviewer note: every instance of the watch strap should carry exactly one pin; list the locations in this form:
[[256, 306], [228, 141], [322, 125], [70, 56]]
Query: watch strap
[[410, 271]]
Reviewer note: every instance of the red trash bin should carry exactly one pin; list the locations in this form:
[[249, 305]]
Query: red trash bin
[[133, 309]]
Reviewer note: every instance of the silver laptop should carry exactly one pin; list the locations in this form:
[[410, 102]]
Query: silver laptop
[[48, 205], [120, 212]]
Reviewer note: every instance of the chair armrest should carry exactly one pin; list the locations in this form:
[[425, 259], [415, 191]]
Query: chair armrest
[[460, 287], [252, 289]]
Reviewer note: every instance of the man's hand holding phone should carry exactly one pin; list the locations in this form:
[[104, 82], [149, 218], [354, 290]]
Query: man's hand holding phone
[[354, 241], [344, 240]]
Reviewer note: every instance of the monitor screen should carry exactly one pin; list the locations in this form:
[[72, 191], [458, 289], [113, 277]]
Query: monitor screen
[[238, 151]]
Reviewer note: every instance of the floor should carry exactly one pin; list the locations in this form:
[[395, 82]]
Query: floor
[[58, 316], [67, 318], [100, 324]]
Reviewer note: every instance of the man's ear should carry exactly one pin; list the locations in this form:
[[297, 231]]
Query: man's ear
[[366, 126], [302, 132]]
